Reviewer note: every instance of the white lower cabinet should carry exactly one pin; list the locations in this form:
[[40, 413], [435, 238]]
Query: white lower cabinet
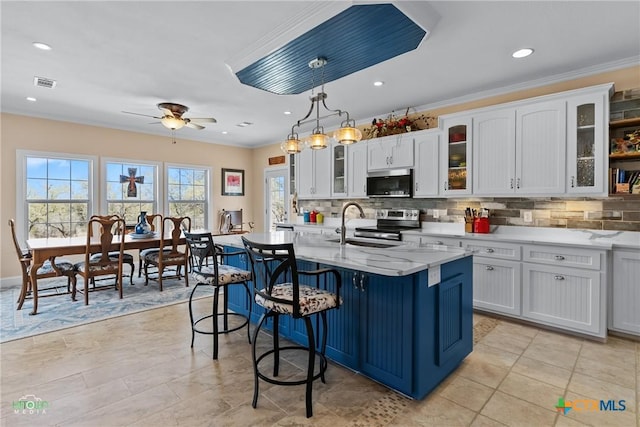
[[625, 305], [496, 285], [565, 297]]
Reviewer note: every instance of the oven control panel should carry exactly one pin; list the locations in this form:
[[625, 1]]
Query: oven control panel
[[398, 214]]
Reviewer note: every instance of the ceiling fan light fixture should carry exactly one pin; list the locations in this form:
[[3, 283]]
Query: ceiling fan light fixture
[[173, 123]]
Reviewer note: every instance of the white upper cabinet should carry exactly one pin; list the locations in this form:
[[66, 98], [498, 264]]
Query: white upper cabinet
[[541, 148], [357, 170], [338, 170], [313, 167], [390, 152], [455, 155], [494, 152], [587, 151], [426, 173]]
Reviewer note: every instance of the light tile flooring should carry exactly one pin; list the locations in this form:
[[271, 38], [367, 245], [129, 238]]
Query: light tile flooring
[[139, 370]]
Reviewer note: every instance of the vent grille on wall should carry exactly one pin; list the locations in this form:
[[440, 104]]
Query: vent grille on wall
[[44, 82]]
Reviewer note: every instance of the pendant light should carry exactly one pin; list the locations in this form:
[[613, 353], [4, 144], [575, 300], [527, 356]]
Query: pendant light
[[346, 134]]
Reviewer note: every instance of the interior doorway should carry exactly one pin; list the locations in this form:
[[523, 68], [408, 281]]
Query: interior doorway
[[276, 184]]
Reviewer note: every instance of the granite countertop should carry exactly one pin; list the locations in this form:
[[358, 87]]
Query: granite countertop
[[593, 239], [399, 259]]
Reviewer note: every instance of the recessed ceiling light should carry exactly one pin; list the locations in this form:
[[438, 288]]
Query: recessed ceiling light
[[224, 132], [31, 99], [286, 113], [522, 53], [244, 124], [378, 83], [42, 46]]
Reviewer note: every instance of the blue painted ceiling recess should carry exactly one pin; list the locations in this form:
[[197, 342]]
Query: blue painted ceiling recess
[[357, 38]]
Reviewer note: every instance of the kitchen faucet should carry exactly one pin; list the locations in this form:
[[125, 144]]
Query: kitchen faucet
[[343, 229]]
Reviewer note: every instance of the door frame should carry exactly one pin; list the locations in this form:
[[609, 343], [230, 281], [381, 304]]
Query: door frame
[[277, 170]]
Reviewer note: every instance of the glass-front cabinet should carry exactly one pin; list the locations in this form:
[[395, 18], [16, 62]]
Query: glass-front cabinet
[[338, 170], [455, 160], [586, 148]]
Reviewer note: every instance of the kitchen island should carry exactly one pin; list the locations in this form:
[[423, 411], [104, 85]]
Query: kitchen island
[[406, 317]]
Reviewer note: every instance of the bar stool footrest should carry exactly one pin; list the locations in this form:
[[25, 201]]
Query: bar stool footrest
[[272, 380], [220, 331]]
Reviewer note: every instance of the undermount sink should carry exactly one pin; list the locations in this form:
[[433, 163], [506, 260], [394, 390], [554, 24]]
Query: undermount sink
[[363, 243]]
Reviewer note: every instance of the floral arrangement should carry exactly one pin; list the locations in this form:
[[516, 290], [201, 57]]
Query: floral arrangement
[[393, 125]]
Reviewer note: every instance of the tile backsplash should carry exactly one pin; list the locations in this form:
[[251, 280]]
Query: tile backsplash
[[612, 213]]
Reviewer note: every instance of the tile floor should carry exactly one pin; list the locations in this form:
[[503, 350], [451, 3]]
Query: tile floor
[[139, 370]]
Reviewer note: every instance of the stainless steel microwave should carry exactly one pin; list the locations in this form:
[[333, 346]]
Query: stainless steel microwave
[[390, 183]]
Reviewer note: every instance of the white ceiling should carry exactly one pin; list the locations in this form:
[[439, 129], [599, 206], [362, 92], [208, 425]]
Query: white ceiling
[[110, 57]]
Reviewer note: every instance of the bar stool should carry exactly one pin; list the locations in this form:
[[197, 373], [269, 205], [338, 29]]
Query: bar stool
[[278, 290], [202, 249]]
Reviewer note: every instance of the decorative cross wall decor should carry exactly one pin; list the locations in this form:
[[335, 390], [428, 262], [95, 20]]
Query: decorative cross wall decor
[[132, 179]]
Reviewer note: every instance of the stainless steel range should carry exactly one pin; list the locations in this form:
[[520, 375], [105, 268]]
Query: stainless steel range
[[390, 222]]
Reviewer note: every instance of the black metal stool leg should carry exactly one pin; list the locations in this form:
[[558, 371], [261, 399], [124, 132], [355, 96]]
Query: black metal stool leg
[[255, 360], [276, 345], [216, 297], [310, 366], [193, 326], [323, 346], [246, 287]]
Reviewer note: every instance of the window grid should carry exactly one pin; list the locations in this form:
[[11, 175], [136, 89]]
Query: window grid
[[57, 196], [120, 200], [187, 193]]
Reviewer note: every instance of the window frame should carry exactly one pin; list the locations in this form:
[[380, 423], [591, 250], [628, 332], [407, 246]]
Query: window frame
[[159, 180], [208, 212], [22, 231]]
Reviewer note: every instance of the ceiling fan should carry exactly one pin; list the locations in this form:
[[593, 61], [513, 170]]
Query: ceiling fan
[[172, 117]]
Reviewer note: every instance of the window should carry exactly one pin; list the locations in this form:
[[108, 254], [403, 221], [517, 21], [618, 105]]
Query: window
[[131, 188], [55, 194], [188, 193]]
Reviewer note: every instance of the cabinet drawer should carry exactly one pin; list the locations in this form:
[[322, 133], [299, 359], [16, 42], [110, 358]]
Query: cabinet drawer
[[565, 297], [563, 256], [440, 241], [492, 249]]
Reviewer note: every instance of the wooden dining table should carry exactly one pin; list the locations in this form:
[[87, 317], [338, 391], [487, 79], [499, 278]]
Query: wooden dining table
[[49, 248]]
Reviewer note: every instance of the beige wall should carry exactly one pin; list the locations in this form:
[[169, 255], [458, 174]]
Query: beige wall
[[26, 133]]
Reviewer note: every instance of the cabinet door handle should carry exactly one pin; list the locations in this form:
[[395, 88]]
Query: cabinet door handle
[[438, 242], [355, 281], [489, 268], [559, 258], [573, 183], [489, 250], [518, 183], [446, 186], [416, 186], [391, 159], [558, 277], [362, 287], [511, 183]]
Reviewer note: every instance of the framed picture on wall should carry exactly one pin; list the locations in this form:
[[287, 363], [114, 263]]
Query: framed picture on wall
[[232, 182]]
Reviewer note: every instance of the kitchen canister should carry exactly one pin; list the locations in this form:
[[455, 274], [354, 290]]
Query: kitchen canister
[[319, 218], [307, 216]]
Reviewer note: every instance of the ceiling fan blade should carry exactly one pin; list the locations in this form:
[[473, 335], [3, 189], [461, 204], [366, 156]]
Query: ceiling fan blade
[[204, 120], [192, 125], [144, 115]]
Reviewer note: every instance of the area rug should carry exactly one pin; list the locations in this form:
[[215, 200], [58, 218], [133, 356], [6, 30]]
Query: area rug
[[59, 312]]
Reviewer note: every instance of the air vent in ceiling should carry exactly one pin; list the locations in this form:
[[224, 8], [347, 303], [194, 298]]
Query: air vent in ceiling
[[44, 82]]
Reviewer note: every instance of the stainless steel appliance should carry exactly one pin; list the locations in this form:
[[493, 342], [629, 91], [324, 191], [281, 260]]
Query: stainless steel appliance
[[390, 183], [389, 224]]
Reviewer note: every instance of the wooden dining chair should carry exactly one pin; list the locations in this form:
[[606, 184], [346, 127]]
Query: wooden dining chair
[[127, 258], [170, 255], [59, 267], [155, 221], [103, 262]]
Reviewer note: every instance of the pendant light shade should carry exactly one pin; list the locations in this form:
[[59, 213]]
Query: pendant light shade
[[347, 134], [317, 140], [292, 145]]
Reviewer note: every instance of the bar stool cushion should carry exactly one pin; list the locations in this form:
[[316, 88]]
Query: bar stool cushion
[[312, 300], [227, 274]]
